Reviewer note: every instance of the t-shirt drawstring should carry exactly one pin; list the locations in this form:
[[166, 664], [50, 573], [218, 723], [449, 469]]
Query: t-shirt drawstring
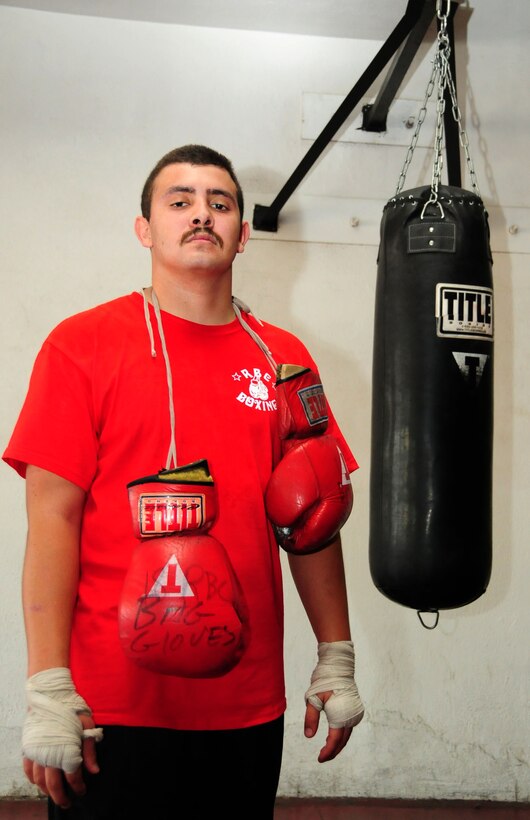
[[239, 308]]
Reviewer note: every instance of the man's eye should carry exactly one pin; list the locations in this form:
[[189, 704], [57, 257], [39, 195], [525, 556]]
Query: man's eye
[[178, 204], [219, 206]]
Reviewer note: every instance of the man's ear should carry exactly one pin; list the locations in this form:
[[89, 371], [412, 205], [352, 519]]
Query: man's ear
[[243, 236], [142, 230]]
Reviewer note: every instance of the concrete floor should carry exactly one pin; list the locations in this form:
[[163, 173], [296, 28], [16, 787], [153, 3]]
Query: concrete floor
[[334, 809]]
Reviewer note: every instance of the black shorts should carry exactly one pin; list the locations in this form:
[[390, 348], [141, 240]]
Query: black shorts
[[164, 774]]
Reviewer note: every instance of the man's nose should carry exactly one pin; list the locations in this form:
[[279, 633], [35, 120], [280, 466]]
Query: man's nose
[[201, 216]]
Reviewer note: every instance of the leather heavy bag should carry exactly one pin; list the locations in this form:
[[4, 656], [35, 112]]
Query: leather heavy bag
[[432, 404]]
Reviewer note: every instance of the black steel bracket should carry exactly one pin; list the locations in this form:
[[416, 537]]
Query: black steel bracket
[[452, 136], [406, 36], [375, 114]]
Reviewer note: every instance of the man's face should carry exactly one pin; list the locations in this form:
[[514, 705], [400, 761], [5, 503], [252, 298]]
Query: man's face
[[195, 220]]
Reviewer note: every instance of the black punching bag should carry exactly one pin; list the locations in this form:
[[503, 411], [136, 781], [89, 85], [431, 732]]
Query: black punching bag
[[432, 403]]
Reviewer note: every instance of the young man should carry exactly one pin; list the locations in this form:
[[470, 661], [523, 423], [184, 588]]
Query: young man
[[152, 585]]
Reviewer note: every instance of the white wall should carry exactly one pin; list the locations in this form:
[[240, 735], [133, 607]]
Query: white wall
[[87, 106]]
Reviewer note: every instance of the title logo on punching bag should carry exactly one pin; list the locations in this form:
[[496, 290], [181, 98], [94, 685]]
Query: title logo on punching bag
[[464, 311]]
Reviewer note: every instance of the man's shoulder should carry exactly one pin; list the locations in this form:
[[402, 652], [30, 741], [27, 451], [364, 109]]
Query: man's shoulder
[[278, 332], [111, 312], [285, 345]]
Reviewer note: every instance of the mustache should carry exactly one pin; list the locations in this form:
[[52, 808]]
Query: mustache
[[201, 230]]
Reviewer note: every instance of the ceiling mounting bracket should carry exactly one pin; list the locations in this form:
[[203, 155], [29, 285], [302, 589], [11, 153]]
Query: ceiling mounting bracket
[[403, 42]]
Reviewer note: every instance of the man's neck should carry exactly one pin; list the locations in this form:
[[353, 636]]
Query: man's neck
[[197, 300]]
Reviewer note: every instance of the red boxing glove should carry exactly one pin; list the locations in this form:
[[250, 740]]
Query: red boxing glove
[[302, 406], [173, 501], [309, 496], [181, 611]]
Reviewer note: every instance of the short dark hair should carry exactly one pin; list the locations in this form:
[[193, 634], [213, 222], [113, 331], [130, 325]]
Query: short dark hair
[[194, 155]]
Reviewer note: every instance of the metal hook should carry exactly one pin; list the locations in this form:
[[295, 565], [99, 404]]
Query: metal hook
[[443, 15]]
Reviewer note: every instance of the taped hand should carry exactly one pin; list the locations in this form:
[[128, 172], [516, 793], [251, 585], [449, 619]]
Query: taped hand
[[333, 689], [58, 734]]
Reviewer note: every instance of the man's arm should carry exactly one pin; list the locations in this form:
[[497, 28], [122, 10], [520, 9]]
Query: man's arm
[[321, 584], [51, 567], [49, 589]]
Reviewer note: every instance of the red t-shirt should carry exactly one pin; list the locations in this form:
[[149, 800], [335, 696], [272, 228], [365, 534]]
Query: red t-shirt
[[97, 414]]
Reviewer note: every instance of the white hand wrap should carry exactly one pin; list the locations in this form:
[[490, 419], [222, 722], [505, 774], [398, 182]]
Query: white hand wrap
[[52, 734], [335, 672]]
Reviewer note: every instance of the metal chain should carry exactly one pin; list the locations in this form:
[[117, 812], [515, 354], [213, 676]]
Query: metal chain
[[442, 69], [464, 141], [442, 78], [421, 117]]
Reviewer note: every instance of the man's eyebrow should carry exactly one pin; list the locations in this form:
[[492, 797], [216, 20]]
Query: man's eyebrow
[[179, 189], [187, 189], [221, 192]]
